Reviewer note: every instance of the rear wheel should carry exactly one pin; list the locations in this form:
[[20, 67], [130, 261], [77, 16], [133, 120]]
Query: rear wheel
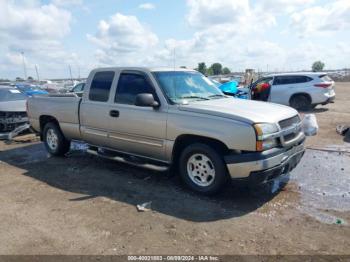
[[202, 169], [55, 142], [300, 102]]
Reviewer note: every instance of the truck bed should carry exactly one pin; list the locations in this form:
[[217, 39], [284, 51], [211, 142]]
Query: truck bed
[[63, 107]]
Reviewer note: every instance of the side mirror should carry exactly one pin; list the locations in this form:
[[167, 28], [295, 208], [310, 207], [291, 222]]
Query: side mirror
[[146, 100]]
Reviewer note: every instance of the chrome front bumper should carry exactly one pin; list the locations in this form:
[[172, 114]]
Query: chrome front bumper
[[268, 163]]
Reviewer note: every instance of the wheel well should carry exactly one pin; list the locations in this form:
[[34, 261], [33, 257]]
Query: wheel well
[[184, 140], [301, 94], [44, 120]]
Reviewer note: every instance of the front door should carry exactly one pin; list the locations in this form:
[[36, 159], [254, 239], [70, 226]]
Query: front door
[[264, 95], [133, 129]]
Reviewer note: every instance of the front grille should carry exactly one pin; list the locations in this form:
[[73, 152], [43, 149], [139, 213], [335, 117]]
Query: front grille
[[289, 122], [290, 136]]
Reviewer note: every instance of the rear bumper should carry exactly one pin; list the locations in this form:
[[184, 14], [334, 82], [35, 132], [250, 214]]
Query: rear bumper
[[329, 100], [260, 167], [324, 98]]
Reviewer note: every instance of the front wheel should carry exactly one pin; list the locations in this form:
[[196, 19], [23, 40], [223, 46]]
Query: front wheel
[[55, 142], [202, 169]]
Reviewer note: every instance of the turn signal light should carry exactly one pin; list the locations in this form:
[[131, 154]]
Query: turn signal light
[[259, 146]]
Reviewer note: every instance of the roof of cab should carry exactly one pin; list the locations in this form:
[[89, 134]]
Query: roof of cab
[[150, 69]]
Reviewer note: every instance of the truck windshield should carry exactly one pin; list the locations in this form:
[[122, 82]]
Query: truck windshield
[[181, 87]]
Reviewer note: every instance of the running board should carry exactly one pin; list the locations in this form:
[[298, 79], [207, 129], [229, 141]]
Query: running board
[[121, 159]]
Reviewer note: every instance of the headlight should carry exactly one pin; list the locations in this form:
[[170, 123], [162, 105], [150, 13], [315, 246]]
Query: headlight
[[264, 136]]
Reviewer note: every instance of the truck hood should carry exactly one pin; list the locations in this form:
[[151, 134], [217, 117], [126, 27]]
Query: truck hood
[[13, 106], [242, 110]]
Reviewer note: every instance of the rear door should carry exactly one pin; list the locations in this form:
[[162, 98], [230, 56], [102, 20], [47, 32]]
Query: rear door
[[285, 86], [94, 109], [133, 129]]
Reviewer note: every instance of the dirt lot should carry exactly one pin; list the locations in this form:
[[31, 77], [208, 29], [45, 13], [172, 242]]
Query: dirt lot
[[81, 204]]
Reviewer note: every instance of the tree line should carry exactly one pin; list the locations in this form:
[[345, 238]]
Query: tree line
[[214, 69], [218, 69]]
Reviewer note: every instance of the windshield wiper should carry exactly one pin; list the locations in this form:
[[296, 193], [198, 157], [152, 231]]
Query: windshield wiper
[[217, 95], [194, 97]]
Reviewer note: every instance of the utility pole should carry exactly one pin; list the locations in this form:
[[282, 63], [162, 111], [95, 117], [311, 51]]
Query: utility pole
[[79, 72], [24, 66], [37, 73], [70, 72]]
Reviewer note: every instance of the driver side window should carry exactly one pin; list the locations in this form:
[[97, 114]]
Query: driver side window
[[130, 85]]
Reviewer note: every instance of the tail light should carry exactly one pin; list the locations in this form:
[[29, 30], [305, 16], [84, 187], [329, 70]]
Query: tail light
[[323, 85]]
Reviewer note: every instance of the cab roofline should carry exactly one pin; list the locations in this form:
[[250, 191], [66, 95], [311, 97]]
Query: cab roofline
[[150, 69]]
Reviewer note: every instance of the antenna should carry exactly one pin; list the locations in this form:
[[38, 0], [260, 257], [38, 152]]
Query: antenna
[[24, 66]]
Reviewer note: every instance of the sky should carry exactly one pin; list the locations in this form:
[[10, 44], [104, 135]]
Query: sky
[[283, 35]]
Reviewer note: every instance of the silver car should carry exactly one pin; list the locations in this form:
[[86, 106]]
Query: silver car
[[299, 90]]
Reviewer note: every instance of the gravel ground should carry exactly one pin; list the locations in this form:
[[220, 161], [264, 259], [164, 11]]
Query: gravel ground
[[81, 204]]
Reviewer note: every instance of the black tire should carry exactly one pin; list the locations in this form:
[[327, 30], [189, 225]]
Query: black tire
[[62, 144], [216, 163], [300, 102]]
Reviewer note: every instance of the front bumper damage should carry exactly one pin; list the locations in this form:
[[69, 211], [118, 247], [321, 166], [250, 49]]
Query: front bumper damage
[[14, 133], [12, 124], [258, 168]]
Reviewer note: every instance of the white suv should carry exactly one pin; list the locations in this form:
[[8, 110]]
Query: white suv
[[299, 90]]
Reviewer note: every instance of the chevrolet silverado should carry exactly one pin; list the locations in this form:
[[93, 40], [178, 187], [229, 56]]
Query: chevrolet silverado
[[161, 118]]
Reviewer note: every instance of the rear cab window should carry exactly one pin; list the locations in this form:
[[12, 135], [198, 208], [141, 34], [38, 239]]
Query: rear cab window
[[101, 86], [130, 85], [79, 88]]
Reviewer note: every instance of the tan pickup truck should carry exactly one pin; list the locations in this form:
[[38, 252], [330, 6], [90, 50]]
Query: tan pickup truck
[[160, 118]]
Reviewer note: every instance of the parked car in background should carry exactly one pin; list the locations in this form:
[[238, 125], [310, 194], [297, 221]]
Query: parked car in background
[[31, 90], [229, 87], [162, 118], [13, 116], [299, 90]]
